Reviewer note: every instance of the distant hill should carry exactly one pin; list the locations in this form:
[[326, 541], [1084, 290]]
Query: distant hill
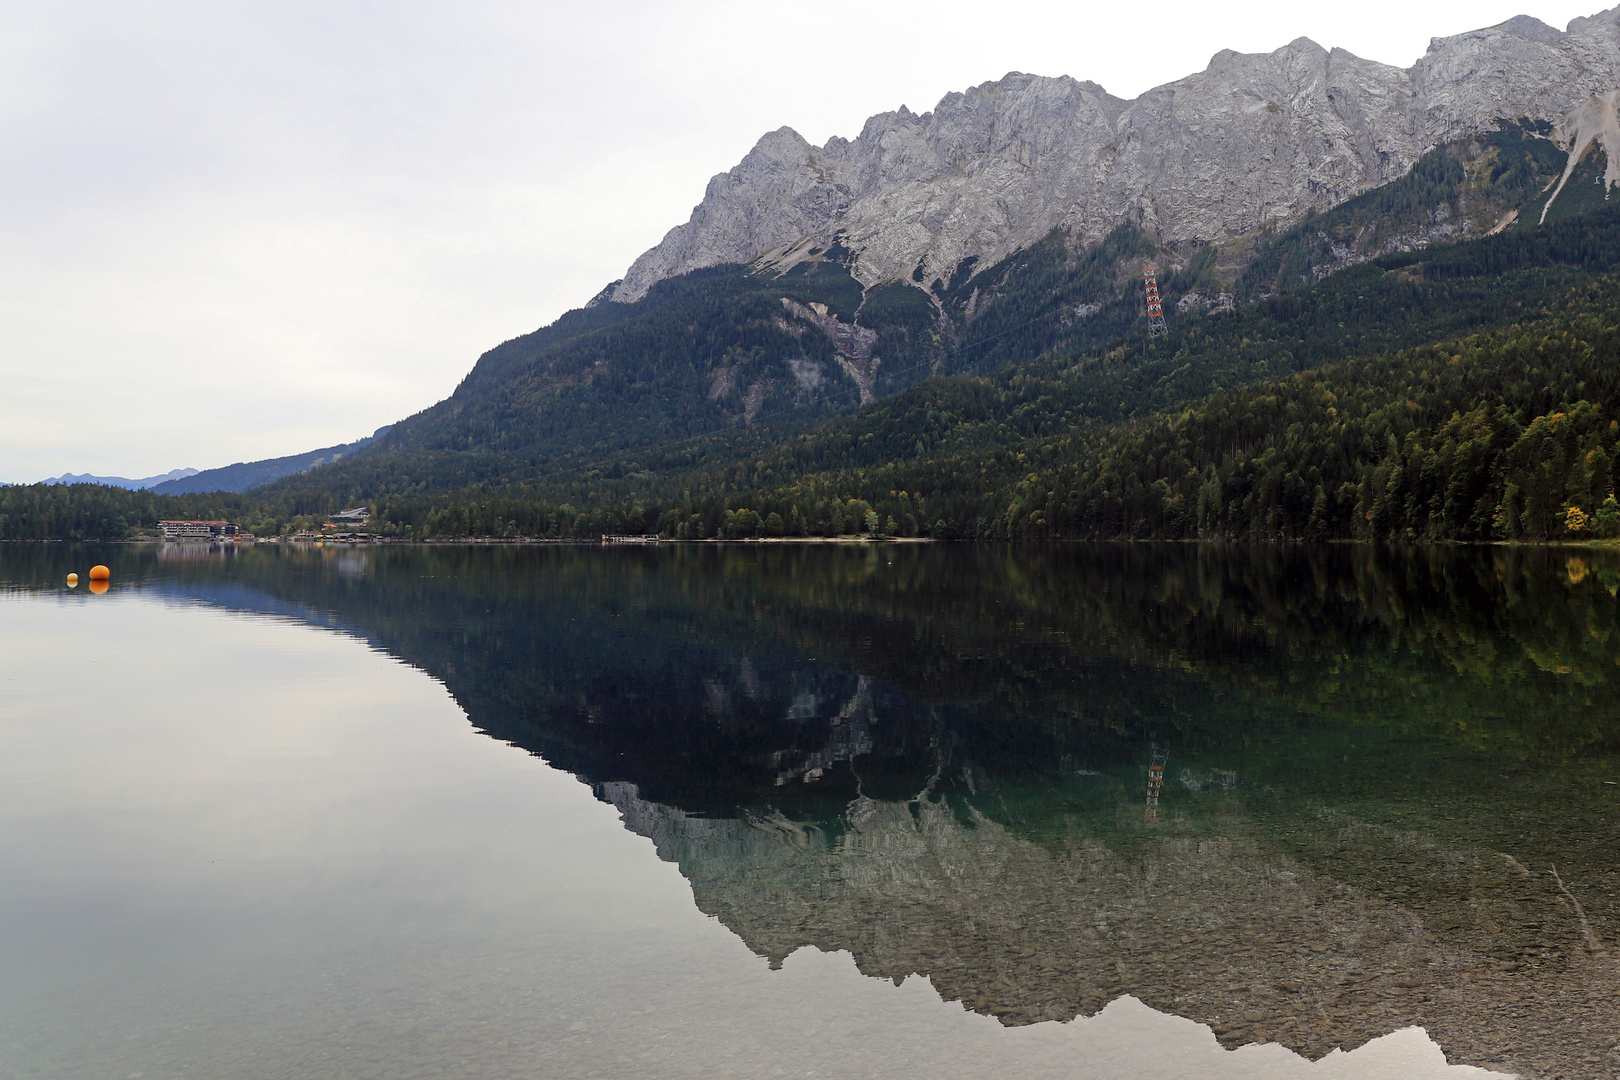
[[174, 476], [244, 474]]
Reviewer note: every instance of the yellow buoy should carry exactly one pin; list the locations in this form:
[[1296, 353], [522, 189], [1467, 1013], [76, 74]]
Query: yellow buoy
[[98, 585], [99, 573], [73, 581]]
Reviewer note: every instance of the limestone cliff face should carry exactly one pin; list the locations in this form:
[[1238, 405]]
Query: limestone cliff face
[[1252, 141]]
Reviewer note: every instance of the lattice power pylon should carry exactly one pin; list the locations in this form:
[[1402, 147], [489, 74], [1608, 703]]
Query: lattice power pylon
[[1156, 762], [1150, 280]]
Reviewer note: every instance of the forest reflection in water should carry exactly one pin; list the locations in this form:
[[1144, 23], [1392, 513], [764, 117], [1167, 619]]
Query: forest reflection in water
[[1388, 776]]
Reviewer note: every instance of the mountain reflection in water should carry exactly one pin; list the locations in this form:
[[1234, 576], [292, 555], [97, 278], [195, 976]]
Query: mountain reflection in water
[[1389, 795]]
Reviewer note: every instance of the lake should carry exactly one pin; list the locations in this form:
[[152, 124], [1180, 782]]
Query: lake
[[838, 810]]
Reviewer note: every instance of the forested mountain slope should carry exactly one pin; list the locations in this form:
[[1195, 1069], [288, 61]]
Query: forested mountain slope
[[1201, 433], [1504, 435], [1510, 434]]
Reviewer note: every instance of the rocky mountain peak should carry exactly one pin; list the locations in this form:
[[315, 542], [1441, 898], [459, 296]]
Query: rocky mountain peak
[[1604, 21], [1534, 29], [1255, 140]]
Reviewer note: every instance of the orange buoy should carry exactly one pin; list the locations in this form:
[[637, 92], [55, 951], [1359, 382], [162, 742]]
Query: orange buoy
[[98, 585], [99, 573], [73, 581]]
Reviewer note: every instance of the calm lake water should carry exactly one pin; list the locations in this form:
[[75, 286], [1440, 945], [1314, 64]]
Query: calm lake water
[[830, 811]]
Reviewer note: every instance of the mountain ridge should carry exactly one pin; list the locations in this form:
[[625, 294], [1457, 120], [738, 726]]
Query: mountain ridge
[[172, 476], [992, 169], [244, 475]]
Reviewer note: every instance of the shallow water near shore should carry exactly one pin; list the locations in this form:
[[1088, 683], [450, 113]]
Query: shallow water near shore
[[819, 811]]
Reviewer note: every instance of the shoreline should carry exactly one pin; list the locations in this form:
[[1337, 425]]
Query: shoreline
[[520, 541]]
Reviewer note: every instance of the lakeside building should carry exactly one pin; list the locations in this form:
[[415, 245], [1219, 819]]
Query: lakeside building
[[198, 530], [620, 538], [357, 516]]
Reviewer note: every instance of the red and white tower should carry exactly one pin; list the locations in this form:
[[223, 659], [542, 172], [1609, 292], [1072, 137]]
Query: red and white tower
[[1150, 280], [1156, 762]]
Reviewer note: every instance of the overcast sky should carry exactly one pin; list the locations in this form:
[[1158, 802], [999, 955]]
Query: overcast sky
[[231, 231]]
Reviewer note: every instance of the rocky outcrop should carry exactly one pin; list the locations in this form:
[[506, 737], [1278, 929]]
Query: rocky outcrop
[[1593, 124], [1521, 67], [1255, 140], [853, 344]]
